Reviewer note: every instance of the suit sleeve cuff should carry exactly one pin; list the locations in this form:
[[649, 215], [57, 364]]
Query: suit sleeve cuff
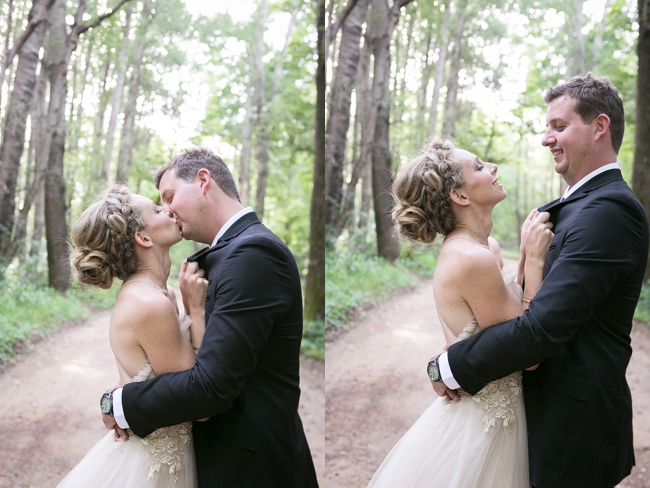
[[118, 411], [445, 372]]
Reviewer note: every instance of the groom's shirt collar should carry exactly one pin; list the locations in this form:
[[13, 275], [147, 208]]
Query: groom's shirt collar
[[229, 223], [584, 180]]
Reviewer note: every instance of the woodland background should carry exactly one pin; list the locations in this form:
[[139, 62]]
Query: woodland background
[[400, 71], [98, 91]]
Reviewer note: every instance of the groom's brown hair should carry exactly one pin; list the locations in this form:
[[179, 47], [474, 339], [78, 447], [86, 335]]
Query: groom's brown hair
[[188, 163]]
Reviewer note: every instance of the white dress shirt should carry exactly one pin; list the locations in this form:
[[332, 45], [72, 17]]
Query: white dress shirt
[[118, 410], [443, 361]]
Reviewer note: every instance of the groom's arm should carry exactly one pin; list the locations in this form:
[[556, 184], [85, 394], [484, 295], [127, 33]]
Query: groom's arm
[[606, 242], [254, 290]]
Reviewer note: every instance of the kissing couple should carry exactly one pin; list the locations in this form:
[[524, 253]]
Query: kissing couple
[[208, 392]]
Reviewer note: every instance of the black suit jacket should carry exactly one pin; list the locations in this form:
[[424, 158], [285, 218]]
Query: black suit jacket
[[578, 403], [246, 373]]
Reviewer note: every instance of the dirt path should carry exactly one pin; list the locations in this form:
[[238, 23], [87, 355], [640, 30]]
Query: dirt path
[[376, 387], [49, 405]]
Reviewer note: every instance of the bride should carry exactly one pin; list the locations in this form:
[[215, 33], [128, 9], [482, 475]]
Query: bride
[[479, 441], [126, 236]]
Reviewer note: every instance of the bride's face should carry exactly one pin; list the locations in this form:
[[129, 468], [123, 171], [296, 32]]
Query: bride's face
[[160, 227], [481, 181]]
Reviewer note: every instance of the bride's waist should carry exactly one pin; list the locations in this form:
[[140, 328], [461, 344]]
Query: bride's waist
[[506, 387], [181, 431]]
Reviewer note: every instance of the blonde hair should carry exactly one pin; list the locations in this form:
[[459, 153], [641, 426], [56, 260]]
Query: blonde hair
[[104, 238], [421, 190]]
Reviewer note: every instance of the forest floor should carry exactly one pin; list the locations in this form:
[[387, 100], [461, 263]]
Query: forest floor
[[376, 386], [49, 405]]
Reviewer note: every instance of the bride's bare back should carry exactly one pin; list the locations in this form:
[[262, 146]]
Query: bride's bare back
[[467, 283]]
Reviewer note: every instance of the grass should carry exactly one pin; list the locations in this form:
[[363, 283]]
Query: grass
[[313, 340], [355, 280], [30, 310], [642, 312]]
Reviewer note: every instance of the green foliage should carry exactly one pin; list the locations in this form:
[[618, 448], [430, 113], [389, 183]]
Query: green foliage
[[313, 339], [355, 280], [28, 310], [642, 312]]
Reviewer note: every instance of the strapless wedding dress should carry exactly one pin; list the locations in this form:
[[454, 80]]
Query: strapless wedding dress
[[478, 442], [163, 459]]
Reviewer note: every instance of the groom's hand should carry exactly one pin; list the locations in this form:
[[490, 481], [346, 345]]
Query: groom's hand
[[440, 388]]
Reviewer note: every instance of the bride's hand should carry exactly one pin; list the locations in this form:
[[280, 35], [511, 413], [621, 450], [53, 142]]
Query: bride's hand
[[193, 286], [539, 237], [525, 227]]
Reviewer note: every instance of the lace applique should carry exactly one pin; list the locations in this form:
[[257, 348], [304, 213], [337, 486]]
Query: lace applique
[[166, 446], [499, 400]]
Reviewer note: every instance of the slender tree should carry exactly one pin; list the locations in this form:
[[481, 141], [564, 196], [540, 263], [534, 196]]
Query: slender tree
[[641, 171], [315, 284], [13, 139]]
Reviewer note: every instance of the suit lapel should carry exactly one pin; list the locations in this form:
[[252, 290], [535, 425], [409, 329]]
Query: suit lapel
[[591, 185], [233, 231]]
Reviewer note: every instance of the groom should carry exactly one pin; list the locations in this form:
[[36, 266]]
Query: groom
[[578, 403], [246, 373]]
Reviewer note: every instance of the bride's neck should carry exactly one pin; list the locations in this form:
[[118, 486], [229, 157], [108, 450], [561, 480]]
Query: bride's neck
[[154, 267], [474, 225]]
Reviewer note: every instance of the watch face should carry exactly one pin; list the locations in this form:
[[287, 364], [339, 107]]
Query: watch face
[[105, 403], [434, 371]]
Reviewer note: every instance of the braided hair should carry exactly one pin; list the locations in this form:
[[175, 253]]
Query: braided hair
[[421, 191], [104, 238]]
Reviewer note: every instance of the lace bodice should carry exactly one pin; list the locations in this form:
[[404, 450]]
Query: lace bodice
[[167, 444], [498, 398]]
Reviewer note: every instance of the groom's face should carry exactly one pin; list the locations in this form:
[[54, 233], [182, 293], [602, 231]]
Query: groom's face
[[183, 200]]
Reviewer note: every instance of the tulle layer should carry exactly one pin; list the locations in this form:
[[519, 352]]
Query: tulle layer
[[129, 465], [449, 447]]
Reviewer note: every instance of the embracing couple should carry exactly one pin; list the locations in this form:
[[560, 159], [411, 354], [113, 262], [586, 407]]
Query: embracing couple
[[561, 343], [208, 393]]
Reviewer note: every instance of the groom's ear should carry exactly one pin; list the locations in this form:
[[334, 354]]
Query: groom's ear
[[143, 239], [205, 179], [458, 196]]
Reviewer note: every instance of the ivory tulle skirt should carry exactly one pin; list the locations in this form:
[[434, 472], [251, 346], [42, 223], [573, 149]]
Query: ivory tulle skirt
[[165, 459], [479, 442]]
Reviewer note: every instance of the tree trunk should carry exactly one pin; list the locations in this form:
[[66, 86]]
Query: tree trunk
[[39, 222], [439, 72], [9, 23], [381, 27], [364, 113], [338, 121], [598, 38], [38, 152], [61, 46], [448, 126], [641, 169], [577, 64], [98, 130], [424, 86], [245, 156], [56, 228], [117, 96], [13, 140], [124, 159], [315, 283]]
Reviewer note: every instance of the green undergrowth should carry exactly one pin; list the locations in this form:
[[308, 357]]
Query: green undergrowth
[[29, 311], [354, 280], [313, 340], [642, 312]]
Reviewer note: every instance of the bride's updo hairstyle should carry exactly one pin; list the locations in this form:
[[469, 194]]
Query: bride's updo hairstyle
[[421, 190], [104, 238]]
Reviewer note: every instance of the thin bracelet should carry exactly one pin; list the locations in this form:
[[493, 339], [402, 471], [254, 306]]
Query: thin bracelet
[[524, 299]]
